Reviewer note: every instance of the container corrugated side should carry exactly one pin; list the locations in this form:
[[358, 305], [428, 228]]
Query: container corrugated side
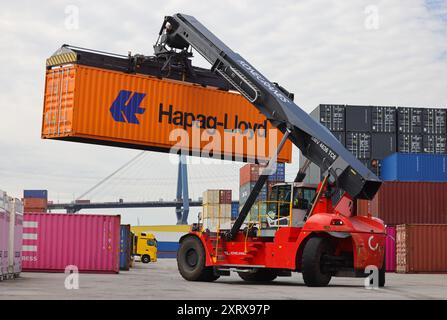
[[15, 237], [414, 167], [51, 242], [399, 202], [421, 248], [35, 194], [92, 105], [4, 234], [390, 249]]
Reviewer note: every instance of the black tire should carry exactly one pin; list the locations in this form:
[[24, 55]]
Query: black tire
[[260, 275], [313, 274], [191, 261], [382, 272], [145, 259]]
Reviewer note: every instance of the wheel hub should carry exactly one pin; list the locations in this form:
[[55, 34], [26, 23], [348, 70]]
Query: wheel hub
[[191, 258]]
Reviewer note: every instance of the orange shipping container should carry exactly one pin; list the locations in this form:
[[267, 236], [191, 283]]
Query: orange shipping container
[[421, 248], [34, 203], [91, 105]]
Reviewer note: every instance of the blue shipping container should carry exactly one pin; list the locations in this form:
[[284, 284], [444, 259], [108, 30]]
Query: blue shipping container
[[234, 210], [125, 246], [41, 194], [280, 173], [414, 167], [245, 190]]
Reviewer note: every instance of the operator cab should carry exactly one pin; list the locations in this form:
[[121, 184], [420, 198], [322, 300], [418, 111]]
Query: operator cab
[[289, 203]]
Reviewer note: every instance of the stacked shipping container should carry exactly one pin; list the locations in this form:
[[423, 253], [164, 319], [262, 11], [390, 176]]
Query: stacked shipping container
[[11, 225], [4, 235], [35, 200], [216, 210], [415, 190], [372, 133], [248, 176], [421, 248]]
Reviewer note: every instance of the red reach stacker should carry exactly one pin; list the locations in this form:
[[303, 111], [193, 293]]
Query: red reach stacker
[[309, 229]]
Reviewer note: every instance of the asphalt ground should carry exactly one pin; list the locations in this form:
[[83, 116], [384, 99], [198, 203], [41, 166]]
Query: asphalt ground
[[161, 280]]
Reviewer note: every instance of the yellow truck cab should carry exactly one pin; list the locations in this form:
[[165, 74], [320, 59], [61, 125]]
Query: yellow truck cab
[[145, 247]]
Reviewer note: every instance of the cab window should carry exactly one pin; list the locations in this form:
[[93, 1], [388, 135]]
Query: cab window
[[302, 198], [151, 242]]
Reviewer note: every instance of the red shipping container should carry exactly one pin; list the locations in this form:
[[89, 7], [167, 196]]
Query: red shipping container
[[51, 242], [249, 173], [225, 196], [35, 210], [390, 249], [399, 202], [421, 248]]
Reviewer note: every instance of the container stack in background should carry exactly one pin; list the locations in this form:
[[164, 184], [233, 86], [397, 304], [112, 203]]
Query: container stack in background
[[35, 200], [248, 175], [372, 133], [216, 214], [11, 227], [406, 148]]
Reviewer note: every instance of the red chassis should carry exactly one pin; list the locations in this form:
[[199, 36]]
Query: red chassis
[[332, 242]]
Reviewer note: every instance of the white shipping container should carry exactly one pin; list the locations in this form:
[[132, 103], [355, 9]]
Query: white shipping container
[[4, 235], [15, 237], [211, 197], [216, 216]]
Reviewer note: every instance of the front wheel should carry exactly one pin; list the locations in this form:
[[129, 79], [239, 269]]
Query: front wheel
[[191, 261], [145, 259], [313, 271], [259, 275]]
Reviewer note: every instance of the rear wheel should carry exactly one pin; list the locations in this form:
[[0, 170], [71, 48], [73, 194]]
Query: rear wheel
[[145, 259], [313, 271], [259, 275], [191, 261]]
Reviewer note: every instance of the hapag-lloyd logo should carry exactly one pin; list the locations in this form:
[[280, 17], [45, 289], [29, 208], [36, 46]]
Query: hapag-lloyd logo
[[126, 107], [264, 81], [237, 137]]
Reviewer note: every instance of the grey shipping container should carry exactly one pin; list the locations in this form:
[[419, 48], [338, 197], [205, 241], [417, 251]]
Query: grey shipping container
[[383, 119], [410, 143], [359, 144], [409, 120], [435, 144], [382, 145], [358, 118], [332, 116], [434, 121]]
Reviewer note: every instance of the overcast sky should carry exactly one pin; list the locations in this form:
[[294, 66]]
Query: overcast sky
[[350, 52]]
